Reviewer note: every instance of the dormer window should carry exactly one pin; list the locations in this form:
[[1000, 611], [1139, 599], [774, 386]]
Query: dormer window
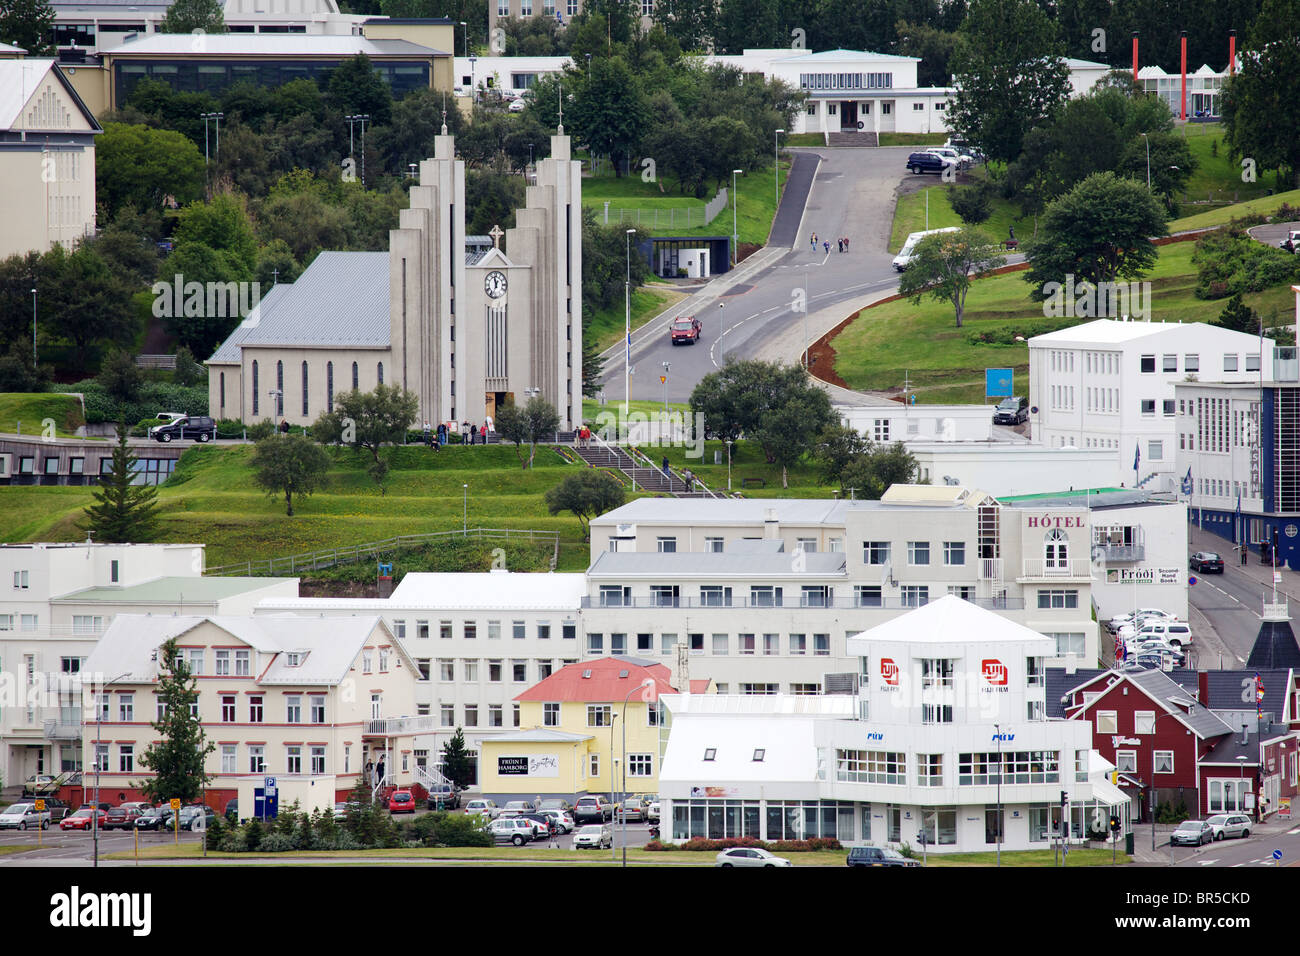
[[710, 753], [295, 658], [759, 754], [586, 674], [622, 675]]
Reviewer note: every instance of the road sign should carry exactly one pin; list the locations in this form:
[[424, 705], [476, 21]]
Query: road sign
[[40, 805], [175, 803], [662, 379], [998, 382], [1277, 854], [1191, 579]]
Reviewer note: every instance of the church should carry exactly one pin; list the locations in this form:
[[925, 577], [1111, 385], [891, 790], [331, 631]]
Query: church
[[462, 322]]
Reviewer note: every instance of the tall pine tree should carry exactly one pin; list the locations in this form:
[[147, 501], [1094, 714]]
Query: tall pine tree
[[27, 24], [177, 758], [122, 512], [457, 765]]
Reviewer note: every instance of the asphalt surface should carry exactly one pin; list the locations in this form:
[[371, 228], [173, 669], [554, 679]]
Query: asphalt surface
[[758, 310]]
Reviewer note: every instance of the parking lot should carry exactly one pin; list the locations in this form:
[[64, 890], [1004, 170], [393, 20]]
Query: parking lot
[[78, 845]]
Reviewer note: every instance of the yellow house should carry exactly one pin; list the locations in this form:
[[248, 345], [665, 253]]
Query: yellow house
[[591, 727]]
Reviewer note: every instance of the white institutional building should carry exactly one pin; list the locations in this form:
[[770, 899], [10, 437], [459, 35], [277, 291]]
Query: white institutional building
[[1109, 384], [948, 704], [460, 321]]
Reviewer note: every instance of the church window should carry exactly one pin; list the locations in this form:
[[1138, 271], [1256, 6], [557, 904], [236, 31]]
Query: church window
[[254, 386], [304, 389], [355, 386], [329, 386], [381, 373], [279, 389]]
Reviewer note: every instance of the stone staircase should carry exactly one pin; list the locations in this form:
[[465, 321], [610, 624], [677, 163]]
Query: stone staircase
[[852, 139], [647, 478]]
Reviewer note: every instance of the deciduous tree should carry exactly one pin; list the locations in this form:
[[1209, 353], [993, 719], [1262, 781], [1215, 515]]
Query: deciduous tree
[[945, 264], [536, 421], [187, 16], [586, 494], [289, 465]]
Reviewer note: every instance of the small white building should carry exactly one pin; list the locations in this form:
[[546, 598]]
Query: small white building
[[1014, 467], [896, 421], [1109, 384], [950, 697]]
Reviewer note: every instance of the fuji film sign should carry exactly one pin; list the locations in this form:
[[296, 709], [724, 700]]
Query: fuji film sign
[[889, 673], [994, 673]]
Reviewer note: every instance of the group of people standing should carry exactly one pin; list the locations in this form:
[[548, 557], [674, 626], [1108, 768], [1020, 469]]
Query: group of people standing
[[842, 243], [471, 434]]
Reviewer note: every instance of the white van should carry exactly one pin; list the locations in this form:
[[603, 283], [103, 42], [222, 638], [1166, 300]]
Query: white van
[[1176, 633], [904, 257]]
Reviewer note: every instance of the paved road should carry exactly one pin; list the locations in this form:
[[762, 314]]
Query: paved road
[[852, 195], [1255, 851]]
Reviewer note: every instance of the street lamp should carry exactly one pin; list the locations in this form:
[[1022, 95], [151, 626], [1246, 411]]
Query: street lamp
[[1148, 142], [589, 66], [776, 166], [627, 326], [472, 60], [1241, 775], [613, 853], [997, 735], [99, 733], [667, 365], [33, 324], [735, 233], [729, 443], [646, 683], [363, 119], [464, 509], [464, 26]]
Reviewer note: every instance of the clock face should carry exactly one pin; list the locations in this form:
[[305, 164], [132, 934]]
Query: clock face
[[495, 284]]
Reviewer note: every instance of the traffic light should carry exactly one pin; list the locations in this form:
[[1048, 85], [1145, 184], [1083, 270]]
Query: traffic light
[[1114, 823], [1065, 798]]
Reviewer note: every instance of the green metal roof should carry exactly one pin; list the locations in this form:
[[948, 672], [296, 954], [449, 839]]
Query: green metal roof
[[171, 590], [1076, 493]]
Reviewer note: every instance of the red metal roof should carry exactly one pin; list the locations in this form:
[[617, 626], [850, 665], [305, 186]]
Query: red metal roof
[[604, 683]]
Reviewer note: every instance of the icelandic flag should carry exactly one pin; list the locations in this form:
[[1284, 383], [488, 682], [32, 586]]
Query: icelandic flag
[[1187, 482], [1137, 456]]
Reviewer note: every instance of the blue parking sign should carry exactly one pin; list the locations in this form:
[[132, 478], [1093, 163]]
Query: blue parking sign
[[998, 382]]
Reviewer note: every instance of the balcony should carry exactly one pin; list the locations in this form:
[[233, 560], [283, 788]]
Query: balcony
[[990, 569], [1040, 569], [1285, 366], [401, 726], [63, 729], [1121, 553]]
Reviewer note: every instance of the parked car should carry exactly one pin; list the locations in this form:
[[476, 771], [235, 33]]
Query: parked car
[[514, 830], [445, 795], [55, 808], [878, 856], [1192, 833], [1207, 562], [966, 149], [140, 806], [685, 329], [542, 823], [749, 856], [1158, 647], [924, 162], [588, 809], [82, 820], [166, 418], [1140, 615], [24, 816], [121, 818], [517, 106], [197, 817], [561, 821], [652, 811], [401, 801], [952, 155], [38, 785], [232, 811], [486, 808], [1146, 662], [597, 835], [563, 806], [633, 809], [908, 252], [1293, 238], [1229, 825], [1011, 411], [195, 427], [1176, 633], [155, 818]]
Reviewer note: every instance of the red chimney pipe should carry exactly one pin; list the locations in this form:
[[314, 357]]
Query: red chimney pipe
[[1182, 42], [1135, 56], [1232, 51]]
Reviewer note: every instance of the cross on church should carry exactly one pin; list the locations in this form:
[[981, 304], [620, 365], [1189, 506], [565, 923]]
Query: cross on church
[[496, 234]]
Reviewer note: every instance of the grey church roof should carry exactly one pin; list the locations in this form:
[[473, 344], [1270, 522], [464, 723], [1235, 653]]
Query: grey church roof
[[1275, 646], [340, 301], [1234, 690]]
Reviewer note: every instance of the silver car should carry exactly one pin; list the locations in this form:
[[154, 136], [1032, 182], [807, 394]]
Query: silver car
[[1192, 833], [21, 816], [749, 856], [1229, 825], [595, 835]]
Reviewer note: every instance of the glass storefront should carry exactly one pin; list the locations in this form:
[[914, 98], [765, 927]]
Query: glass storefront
[[190, 76]]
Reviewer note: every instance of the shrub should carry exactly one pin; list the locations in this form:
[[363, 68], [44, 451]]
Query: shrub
[[783, 846], [233, 841], [263, 429], [17, 375], [276, 843], [230, 428]]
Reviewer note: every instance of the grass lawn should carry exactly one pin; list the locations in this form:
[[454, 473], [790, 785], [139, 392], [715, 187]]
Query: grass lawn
[[1265, 205], [591, 407], [608, 325], [16, 848], [755, 203], [910, 216], [31, 408], [945, 365], [1076, 857], [1217, 178], [804, 139], [913, 139]]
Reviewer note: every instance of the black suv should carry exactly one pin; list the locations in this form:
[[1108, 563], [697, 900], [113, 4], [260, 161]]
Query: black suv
[[194, 427], [878, 856], [1011, 411], [927, 163]]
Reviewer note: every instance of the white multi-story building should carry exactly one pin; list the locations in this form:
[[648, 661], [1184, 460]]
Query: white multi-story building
[[56, 600], [1109, 384], [896, 421], [946, 736], [477, 640]]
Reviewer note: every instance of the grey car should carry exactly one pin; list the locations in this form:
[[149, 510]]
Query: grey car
[[1229, 825], [1192, 833]]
